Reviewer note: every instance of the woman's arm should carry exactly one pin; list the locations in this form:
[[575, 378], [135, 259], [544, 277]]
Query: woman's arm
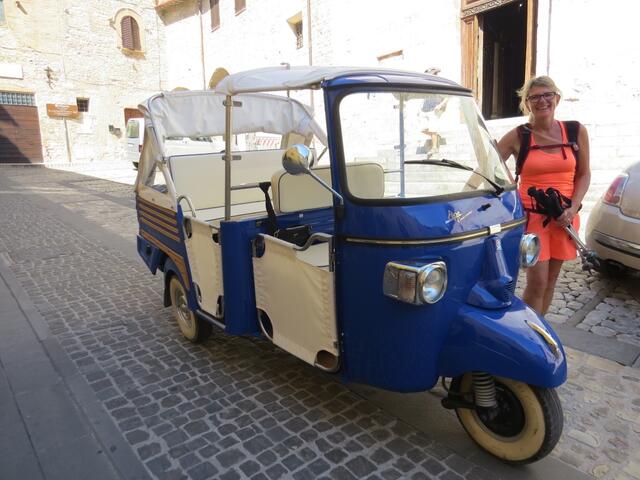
[[509, 145], [582, 178]]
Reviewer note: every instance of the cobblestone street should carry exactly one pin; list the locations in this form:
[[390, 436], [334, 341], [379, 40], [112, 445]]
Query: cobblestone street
[[234, 408]]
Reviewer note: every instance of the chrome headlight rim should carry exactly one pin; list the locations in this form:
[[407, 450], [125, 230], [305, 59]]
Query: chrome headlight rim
[[423, 276], [528, 241]]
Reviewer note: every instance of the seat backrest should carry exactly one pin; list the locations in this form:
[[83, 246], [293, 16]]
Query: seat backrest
[[292, 193], [201, 177]]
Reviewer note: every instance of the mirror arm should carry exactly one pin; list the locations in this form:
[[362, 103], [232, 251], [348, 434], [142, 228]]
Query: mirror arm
[[325, 185]]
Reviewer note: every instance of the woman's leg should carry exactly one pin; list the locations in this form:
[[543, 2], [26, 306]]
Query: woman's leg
[[536, 285], [553, 272]]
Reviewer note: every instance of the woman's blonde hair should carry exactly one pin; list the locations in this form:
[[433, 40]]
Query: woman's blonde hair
[[541, 81]]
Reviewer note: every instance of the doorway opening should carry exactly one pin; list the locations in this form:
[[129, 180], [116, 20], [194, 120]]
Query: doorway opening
[[503, 54]]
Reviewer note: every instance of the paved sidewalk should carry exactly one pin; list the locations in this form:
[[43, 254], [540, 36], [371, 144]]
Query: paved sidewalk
[[238, 408], [51, 427]]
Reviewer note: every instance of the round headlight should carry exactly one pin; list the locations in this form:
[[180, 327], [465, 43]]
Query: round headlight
[[432, 282], [529, 250]]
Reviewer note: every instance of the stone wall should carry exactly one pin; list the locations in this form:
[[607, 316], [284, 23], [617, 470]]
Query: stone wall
[[587, 49], [71, 48]]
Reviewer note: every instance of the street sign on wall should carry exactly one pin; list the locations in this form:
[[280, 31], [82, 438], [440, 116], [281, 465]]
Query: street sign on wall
[[62, 110]]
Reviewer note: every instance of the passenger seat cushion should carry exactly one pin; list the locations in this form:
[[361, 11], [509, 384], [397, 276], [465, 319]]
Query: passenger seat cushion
[[292, 193]]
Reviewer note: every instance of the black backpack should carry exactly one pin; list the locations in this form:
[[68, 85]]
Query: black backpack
[[524, 134]]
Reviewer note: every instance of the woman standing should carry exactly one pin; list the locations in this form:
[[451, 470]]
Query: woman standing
[[550, 162]]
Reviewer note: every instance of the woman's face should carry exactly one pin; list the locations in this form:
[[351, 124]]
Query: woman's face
[[542, 102]]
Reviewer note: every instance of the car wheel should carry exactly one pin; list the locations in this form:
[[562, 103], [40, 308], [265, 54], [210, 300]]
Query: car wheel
[[523, 427], [192, 327]]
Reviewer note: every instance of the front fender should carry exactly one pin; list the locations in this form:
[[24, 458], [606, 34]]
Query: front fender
[[501, 343]]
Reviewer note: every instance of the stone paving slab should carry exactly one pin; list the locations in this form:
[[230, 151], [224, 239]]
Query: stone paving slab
[[236, 407], [232, 408]]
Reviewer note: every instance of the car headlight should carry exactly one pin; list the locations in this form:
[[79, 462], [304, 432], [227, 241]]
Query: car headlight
[[415, 283], [529, 250]]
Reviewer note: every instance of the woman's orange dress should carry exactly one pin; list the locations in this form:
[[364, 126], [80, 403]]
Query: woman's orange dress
[[544, 169]]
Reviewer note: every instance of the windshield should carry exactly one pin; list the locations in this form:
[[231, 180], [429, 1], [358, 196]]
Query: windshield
[[399, 130]]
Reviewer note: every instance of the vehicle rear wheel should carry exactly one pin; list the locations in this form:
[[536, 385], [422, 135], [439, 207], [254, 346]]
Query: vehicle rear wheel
[[523, 427], [192, 327]]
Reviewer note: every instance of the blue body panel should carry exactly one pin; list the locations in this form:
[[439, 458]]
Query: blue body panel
[[404, 347], [160, 238], [499, 341], [237, 267]]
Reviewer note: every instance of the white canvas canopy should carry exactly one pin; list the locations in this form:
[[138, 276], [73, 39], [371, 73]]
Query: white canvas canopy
[[272, 79], [202, 114]]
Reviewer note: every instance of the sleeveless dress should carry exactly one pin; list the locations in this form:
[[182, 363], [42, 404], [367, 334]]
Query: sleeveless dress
[[544, 169]]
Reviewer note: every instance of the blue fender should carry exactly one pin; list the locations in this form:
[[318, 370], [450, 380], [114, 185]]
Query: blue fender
[[502, 343], [170, 269]]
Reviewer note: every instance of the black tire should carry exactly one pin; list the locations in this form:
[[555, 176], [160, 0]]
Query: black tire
[[192, 327], [534, 420]]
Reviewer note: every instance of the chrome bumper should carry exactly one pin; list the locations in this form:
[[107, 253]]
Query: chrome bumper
[[617, 244]]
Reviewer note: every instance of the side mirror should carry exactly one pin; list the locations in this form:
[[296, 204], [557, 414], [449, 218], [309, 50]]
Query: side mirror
[[296, 159]]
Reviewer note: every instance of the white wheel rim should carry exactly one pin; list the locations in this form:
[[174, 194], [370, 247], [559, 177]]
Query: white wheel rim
[[184, 315], [520, 447]]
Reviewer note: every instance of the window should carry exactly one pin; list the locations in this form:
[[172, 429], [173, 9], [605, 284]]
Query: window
[[408, 134], [297, 29], [2, 19], [83, 104], [215, 13], [16, 98], [295, 23], [241, 5], [130, 34], [498, 51]]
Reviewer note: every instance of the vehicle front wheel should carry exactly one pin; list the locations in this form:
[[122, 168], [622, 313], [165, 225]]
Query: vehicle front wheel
[[523, 427], [192, 327]]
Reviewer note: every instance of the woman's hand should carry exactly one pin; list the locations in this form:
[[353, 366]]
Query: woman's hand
[[566, 218]]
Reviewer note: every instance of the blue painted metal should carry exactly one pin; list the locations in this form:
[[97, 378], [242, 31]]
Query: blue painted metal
[[500, 342], [237, 267], [404, 347]]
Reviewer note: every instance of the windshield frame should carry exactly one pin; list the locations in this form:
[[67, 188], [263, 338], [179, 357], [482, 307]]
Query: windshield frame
[[339, 156]]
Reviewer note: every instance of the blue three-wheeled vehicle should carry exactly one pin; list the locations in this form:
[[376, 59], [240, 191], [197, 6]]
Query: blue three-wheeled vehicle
[[385, 250]]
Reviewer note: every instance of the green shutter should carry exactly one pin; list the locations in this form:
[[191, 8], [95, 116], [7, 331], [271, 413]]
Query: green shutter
[[1, 11]]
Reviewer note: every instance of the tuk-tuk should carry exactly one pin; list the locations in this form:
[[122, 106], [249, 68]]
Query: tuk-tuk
[[384, 251]]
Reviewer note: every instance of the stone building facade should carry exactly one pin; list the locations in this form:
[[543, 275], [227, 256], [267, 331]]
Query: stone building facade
[[585, 46], [70, 54]]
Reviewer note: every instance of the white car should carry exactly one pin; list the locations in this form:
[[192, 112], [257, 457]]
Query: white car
[[135, 138], [176, 145], [613, 228]]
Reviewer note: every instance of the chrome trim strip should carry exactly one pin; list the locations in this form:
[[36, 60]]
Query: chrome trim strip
[[481, 232], [618, 244], [546, 336]]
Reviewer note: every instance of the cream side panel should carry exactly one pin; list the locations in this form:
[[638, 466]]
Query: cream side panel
[[205, 261], [299, 299], [157, 198]]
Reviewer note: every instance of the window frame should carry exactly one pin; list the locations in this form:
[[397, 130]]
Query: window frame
[[298, 30], [240, 6], [471, 36], [130, 32], [81, 102], [214, 7]]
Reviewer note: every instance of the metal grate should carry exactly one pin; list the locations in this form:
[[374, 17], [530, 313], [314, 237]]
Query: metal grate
[[83, 104], [16, 98], [298, 31]]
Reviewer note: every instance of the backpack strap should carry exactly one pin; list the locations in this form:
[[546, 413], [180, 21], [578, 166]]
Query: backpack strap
[[524, 134]]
